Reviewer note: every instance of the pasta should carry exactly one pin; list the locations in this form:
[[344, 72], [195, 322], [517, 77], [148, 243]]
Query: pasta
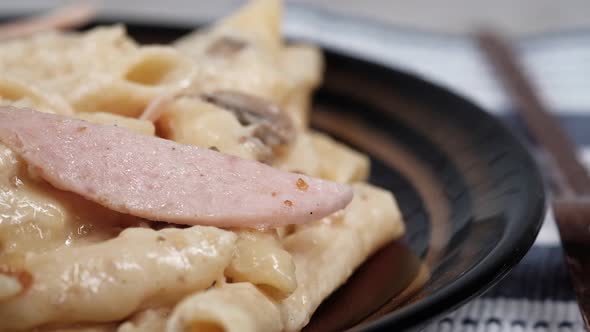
[[261, 260], [37, 217], [69, 264], [133, 124], [140, 267], [232, 307], [353, 166], [150, 320], [13, 92], [193, 121], [334, 246]]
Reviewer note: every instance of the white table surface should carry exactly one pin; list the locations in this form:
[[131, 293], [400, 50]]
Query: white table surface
[[454, 16]]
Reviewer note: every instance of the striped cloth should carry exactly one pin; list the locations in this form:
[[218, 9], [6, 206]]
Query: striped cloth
[[537, 295]]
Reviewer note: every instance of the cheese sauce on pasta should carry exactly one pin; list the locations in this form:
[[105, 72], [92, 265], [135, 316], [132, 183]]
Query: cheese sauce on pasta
[[68, 264]]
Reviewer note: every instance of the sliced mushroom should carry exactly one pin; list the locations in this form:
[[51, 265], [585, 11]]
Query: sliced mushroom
[[273, 126], [226, 46]]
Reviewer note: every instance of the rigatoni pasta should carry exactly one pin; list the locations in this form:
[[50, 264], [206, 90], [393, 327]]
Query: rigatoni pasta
[[68, 264], [141, 268], [150, 320], [132, 124], [192, 121], [352, 165], [17, 93], [333, 247], [237, 307], [260, 259]]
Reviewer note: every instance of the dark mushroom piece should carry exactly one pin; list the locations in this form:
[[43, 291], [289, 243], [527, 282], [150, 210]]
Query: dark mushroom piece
[[274, 128], [226, 46]]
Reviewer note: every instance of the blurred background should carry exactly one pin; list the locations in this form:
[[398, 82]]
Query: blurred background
[[460, 16], [451, 16], [428, 38]]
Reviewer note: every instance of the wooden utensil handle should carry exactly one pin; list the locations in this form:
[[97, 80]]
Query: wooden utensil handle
[[573, 220]]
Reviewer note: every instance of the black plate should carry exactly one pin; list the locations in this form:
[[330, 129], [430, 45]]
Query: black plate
[[470, 193]]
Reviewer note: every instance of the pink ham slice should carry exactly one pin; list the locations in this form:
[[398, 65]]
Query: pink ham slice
[[64, 18], [162, 180]]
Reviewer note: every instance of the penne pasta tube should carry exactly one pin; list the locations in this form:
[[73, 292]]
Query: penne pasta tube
[[239, 307], [259, 258], [108, 281], [328, 251]]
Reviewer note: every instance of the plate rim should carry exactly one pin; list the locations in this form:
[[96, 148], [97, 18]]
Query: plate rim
[[506, 254], [483, 275]]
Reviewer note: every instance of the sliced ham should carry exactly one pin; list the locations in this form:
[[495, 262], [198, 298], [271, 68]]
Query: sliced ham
[[162, 180], [64, 18]]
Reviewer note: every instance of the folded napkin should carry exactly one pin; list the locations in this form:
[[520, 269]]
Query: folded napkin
[[537, 295]]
